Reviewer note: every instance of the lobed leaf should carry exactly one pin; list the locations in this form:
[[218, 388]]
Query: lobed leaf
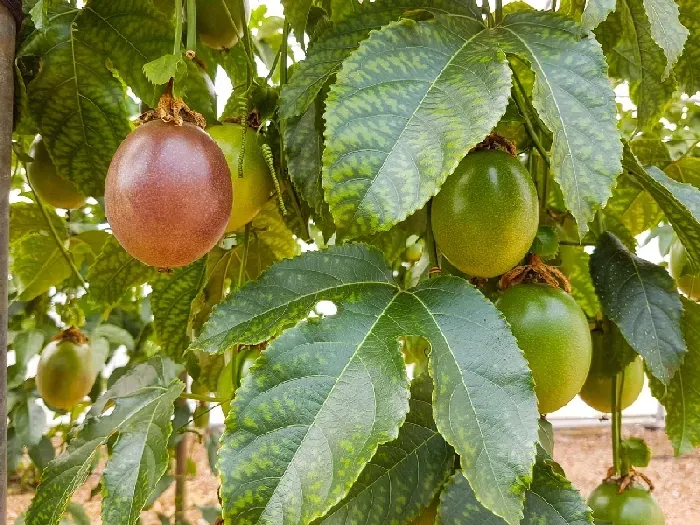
[[143, 406], [681, 397], [642, 300], [171, 303], [407, 106], [404, 475], [574, 99], [288, 291]]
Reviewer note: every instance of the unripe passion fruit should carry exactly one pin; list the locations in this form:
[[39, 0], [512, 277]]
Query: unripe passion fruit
[[253, 189], [688, 283], [168, 194], [634, 506], [49, 185], [65, 373], [219, 22], [552, 331], [486, 214]]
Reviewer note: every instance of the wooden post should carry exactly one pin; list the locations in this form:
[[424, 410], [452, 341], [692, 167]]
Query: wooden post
[[7, 55]]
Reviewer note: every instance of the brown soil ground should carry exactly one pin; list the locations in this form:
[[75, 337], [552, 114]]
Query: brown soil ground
[[584, 454]]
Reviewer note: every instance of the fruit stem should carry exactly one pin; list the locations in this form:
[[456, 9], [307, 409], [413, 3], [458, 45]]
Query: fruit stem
[[524, 107], [430, 241], [66, 255], [178, 27], [191, 26], [615, 426], [499, 11]]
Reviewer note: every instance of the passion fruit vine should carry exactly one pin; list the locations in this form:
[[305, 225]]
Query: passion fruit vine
[[168, 194], [65, 373]]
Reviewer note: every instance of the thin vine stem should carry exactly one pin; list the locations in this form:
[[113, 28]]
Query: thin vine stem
[[524, 107], [430, 239], [178, 27], [191, 25], [66, 255], [614, 426], [499, 11], [201, 397]]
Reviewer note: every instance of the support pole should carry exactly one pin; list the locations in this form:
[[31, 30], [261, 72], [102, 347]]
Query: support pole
[[7, 55]]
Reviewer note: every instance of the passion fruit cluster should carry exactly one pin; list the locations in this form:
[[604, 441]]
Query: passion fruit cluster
[[169, 194]]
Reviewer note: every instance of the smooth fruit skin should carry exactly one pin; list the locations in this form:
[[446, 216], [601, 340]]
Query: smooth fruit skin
[[65, 373], [486, 214], [49, 185], [597, 390], [552, 331], [252, 190], [688, 284], [635, 506], [168, 194], [219, 23]]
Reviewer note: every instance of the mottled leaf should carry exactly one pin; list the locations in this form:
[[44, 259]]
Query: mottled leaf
[[114, 272], [29, 421], [342, 9], [312, 412], [681, 397], [288, 291], [162, 69], [666, 30], [550, 500], [140, 419], [26, 219], [479, 372], [633, 208], [574, 98], [407, 106], [404, 475], [37, 265], [595, 12], [273, 232], [642, 300], [297, 13], [651, 152], [687, 68], [171, 302], [78, 104], [685, 170]]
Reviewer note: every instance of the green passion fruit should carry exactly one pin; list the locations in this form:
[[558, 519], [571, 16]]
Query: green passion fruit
[[634, 506], [253, 189], [220, 22], [486, 214], [688, 283], [597, 390], [49, 185], [65, 373], [168, 194], [552, 331]]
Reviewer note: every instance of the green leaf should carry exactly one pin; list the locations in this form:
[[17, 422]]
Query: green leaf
[[273, 231], [140, 422], [171, 303], [297, 13], [114, 272], [37, 265], [642, 300], [635, 452], [29, 421], [304, 148], [682, 397], [115, 335], [550, 499], [312, 412], [78, 514], [78, 104], [686, 70], [680, 203], [686, 169], [574, 264], [575, 100], [26, 345], [596, 11], [197, 90], [131, 33], [639, 59], [404, 475], [26, 219], [288, 292], [666, 30], [632, 208], [651, 152], [342, 9], [546, 436], [407, 106], [479, 371], [161, 70]]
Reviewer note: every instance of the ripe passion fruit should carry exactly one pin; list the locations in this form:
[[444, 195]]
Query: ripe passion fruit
[[688, 283], [552, 331], [220, 23], [634, 506], [65, 373], [253, 189], [49, 185], [168, 193], [486, 214]]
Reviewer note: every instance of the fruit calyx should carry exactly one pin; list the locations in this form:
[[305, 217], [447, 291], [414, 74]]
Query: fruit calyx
[[71, 334], [252, 120], [171, 109], [535, 271], [496, 142], [628, 480]]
